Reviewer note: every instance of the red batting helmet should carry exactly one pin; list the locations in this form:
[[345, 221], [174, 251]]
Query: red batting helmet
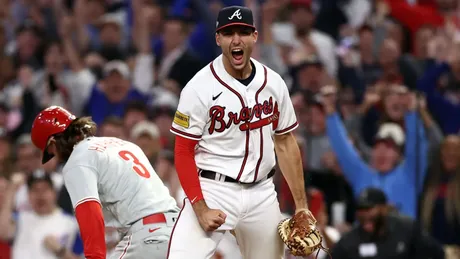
[[50, 121]]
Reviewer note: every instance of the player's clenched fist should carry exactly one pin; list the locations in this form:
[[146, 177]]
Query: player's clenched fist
[[209, 219]]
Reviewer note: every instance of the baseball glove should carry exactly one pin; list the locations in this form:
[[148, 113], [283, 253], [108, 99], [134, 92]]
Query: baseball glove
[[300, 234]]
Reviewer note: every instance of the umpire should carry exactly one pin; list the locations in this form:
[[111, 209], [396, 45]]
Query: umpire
[[381, 234]]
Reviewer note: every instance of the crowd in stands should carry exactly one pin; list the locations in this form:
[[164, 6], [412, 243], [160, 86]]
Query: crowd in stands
[[375, 85]]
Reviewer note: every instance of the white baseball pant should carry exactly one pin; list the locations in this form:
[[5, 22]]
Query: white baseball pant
[[146, 241], [252, 212]]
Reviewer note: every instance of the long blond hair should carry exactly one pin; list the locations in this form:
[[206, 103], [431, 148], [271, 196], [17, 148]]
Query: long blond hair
[[434, 180]]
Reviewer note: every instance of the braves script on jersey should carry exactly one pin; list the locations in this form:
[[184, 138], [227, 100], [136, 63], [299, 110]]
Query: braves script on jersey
[[118, 175], [234, 123]]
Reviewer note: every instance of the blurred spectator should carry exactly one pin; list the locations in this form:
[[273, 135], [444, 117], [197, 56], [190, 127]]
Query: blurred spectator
[[28, 44], [400, 174], [28, 161], [112, 127], [146, 135], [440, 83], [383, 234], [317, 142], [163, 117], [27, 155], [302, 18], [55, 234], [165, 169], [440, 211], [113, 92], [178, 65], [135, 112], [310, 73]]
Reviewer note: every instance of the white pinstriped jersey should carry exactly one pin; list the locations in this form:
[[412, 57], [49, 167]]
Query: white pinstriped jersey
[[234, 123], [117, 174]]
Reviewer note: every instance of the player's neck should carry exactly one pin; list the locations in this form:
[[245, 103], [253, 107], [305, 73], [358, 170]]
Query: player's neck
[[238, 74]]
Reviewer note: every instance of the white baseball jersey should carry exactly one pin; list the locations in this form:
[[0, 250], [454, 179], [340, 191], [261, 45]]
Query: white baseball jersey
[[117, 174], [234, 123]]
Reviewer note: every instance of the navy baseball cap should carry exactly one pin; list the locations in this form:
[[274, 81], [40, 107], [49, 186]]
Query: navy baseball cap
[[234, 15]]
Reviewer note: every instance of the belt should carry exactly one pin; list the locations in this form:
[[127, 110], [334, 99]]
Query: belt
[[214, 176], [167, 218], [154, 218]]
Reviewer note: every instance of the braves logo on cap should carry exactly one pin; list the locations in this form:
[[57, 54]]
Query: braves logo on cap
[[236, 14]]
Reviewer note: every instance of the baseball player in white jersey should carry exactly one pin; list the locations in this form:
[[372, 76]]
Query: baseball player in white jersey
[[231, 118], [109, 180]]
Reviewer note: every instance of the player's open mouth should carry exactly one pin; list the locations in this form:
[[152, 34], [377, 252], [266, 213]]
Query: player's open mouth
[[237, 54]]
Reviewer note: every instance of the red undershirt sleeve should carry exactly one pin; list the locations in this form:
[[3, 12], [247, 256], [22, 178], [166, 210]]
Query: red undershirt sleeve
[[92, 229], [184, 157]]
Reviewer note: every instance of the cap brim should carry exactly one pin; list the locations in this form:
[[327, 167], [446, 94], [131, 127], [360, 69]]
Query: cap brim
[[236, 24], [46, 157], [388, 140]]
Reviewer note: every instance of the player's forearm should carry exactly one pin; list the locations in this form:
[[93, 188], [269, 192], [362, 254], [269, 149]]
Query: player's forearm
[[290, 163], [92, 229]]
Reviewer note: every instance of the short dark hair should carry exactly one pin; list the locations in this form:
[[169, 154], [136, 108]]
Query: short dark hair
[[51, 43], [113, 120], [78, 129], [136, 106]]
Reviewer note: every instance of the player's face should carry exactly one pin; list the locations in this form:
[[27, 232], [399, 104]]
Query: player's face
[[237, 43], [42, 197]]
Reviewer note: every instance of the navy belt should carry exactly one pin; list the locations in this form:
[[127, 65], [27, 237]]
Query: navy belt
[[213, 175]]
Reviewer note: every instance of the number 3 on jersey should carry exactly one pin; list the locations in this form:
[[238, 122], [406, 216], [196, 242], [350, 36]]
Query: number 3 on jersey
[[138, 167]]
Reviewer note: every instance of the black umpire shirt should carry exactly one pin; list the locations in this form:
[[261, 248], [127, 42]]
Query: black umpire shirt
[[403, 239]]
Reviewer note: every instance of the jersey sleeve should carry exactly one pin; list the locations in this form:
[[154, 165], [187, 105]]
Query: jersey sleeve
[[81, 183], [191, 115], [287, 118]]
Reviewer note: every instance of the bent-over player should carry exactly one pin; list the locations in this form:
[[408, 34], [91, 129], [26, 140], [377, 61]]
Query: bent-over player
[[108, 179], [232, 117]]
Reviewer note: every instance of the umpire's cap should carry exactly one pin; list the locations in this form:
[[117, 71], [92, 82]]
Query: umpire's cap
[[234, 15], [50, 121]]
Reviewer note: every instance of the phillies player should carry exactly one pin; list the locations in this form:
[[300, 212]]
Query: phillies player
[[232, 117], [108, 179]]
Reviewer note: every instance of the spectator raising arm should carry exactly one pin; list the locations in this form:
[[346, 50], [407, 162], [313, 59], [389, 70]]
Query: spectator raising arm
[[446, 111], [7, 224], [443, 109], [416, 145], [353, 167], [84, 81], [433, 132], [143, 70], [270, 53], [83, 39]]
